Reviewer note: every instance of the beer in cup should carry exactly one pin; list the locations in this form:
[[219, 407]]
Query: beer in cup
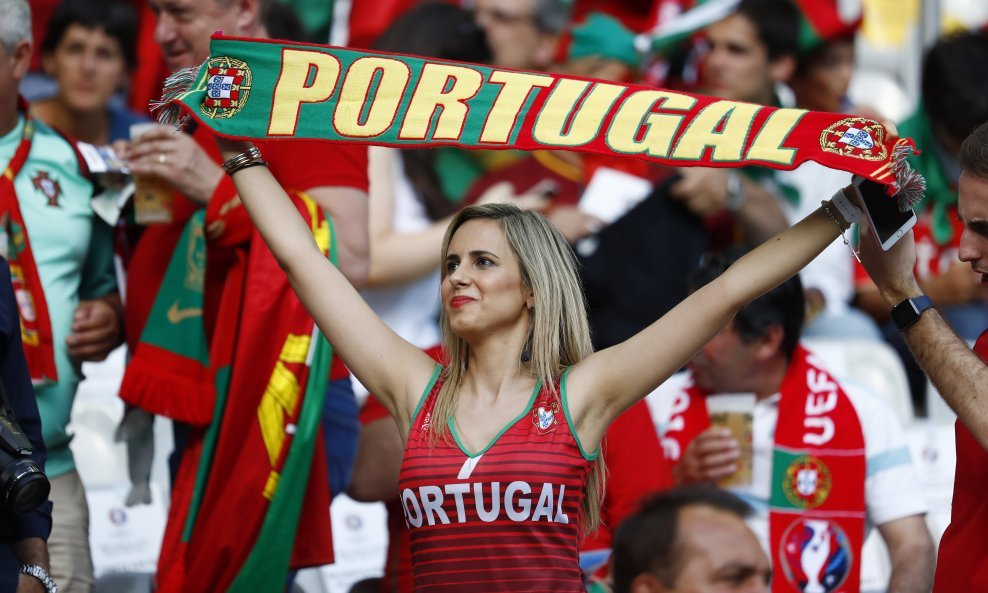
[[152, 194], [735, 412]]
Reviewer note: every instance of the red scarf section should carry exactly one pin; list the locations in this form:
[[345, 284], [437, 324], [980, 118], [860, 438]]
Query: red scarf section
[[36, 334], [229, 471], [817, 501]]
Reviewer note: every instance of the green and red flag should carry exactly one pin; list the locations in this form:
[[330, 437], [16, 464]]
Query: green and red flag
[[261, 89], [250, 475]]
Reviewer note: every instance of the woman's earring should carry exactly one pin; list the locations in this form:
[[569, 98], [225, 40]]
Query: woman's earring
[[526, 351]]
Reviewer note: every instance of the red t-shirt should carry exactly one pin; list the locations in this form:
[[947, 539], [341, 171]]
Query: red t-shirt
[[962, 563], [636, 468]]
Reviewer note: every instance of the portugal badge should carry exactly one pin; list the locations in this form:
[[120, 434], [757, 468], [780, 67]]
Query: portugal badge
[[544, 416], [855, 137], [807, 482], [47, 186], [228, 84]]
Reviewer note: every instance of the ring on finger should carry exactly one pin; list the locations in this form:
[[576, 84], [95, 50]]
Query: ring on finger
[[162, 158]]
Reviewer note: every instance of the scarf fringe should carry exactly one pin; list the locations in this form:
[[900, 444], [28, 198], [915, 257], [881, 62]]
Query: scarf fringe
[[168, 109], [909, 186]]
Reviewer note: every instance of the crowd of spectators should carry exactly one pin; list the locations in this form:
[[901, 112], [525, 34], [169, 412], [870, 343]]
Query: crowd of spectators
[[83, 71]]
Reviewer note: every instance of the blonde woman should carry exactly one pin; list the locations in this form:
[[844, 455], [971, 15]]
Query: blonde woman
[[498, 476]]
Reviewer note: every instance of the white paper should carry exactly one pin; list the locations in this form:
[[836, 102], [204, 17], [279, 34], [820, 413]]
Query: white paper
[[122, 538], [611, 193]]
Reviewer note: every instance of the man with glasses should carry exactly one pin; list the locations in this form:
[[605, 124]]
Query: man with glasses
[[522, 34]]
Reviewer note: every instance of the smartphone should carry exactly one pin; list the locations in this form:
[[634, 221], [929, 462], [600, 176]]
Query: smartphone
[[888, 223]]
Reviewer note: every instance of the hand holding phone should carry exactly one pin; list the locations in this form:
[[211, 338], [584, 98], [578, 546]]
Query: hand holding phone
[[887, 222]]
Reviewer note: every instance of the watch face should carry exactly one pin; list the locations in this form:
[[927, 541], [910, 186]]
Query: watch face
[[908, 311]]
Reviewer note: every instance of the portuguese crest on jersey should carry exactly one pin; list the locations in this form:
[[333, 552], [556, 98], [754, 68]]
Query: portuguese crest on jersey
[[51, 189], [545, 414], [228, 83], [807, 482], [855, 137]]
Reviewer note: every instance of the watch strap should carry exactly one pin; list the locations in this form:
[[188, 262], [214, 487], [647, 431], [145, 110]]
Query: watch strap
[[906, 313], [42, 575]]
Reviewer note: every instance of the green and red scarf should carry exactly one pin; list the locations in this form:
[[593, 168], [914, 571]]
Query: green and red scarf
[[817, 500], [169, 372], [260, 89], [36, 333], [257, 467]]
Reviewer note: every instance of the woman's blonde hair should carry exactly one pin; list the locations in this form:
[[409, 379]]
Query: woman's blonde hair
[[559, 334]]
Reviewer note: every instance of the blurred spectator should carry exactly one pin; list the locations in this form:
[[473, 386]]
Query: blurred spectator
[[523, 34], [64, 276], [89, 51], [856, 477], [748, 53], [825, 63], [190, 163], [954, 103], [826, 54], [23, 536], [690, 540]]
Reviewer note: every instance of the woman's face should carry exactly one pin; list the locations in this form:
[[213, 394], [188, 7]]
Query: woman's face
[[89, 67], [482, 289], [823, 84]]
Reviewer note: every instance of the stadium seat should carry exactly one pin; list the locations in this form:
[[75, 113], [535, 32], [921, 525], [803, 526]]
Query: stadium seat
[[871, 365]]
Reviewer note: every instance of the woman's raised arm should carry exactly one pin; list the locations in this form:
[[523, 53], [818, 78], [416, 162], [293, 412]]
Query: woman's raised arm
[[610, 381], [387, 365]]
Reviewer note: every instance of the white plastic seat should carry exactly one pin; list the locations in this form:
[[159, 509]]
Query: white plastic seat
[[871, 365]]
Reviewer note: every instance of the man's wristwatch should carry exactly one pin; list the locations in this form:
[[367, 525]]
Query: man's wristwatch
[[735, 192], [42, 575], [908, 311]]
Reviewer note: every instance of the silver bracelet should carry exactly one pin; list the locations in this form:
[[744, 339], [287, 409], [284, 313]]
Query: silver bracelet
[[42, 575], [851, 213], [248, 158], [828, 207]]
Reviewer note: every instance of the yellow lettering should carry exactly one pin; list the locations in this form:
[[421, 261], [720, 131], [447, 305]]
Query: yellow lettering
[[660, 128], [430, 95], [702, 132], [586, 120], [767, 145], [291, 90], [515, 89], [381, 103]]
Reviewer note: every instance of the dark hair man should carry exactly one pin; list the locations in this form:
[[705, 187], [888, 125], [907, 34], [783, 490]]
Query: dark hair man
[[689, 539], [959, 374]]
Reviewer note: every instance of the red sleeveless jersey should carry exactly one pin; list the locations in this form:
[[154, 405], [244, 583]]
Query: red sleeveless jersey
[[505, 518]]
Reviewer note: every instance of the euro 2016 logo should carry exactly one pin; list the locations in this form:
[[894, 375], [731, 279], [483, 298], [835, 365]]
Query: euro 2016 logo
[[815, 556], [228, 83]]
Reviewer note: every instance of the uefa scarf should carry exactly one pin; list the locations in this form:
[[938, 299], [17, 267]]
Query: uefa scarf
[[261, 89], [817, 498]]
